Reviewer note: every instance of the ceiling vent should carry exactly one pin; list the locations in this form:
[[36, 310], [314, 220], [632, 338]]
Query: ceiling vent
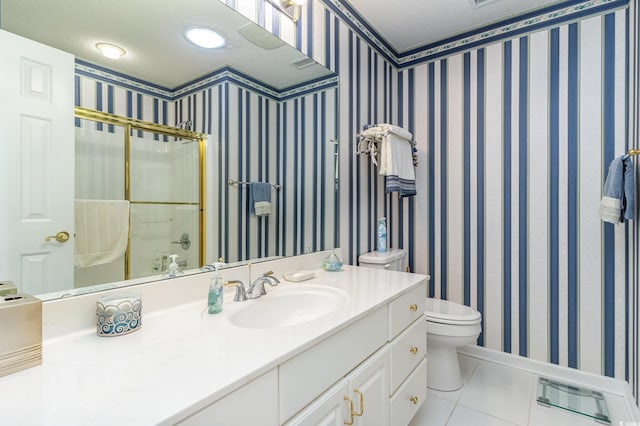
[[303, 63], [478, 3]]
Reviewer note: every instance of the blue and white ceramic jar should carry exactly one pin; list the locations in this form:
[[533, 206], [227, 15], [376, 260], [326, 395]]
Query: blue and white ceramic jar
[[119, 314]]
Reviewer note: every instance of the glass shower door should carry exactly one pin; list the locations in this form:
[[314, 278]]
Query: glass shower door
[[164, 189]]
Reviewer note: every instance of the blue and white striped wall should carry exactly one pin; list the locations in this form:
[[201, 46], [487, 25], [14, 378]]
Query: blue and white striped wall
[[633, 256], [515, 134], [257, 138], [521, 133]]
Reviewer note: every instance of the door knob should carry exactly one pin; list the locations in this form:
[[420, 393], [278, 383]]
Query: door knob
[[61, 237]]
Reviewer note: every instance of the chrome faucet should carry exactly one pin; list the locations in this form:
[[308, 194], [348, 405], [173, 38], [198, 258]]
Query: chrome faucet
[[241, 293], [256, 288]]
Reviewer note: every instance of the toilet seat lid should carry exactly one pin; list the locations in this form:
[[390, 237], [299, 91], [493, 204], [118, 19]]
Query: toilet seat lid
[[443, 310]]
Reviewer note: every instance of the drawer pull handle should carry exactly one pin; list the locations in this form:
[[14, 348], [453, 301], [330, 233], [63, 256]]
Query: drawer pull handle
[[413, 350], [414, 399], [350, 421], [361, 403], [413, 307]]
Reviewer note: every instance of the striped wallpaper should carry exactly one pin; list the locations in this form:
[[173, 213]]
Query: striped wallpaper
[[255, 137], [515, 133], [521, 133], [633, 257]]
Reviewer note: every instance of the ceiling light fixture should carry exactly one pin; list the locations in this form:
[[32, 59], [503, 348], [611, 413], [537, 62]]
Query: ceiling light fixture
[[204, 37], [291, 8], [110, 51]]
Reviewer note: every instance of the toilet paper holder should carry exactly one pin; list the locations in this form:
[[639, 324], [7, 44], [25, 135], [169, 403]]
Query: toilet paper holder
[[21, 330]]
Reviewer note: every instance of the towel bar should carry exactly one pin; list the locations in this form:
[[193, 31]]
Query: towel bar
[[236, 182]]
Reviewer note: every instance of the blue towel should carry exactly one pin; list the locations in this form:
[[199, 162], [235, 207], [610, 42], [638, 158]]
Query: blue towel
[[629, 189], [260, 198], [618, 195]]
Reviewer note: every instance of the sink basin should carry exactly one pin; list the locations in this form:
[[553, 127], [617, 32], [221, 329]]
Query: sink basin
[[289, 306]]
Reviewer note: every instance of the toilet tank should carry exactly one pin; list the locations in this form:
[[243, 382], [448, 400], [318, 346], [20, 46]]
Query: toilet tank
[[392, 260]]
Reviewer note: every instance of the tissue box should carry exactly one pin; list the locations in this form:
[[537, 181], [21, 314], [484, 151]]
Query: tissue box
[[7, 288], [118, 314], [21, 331]]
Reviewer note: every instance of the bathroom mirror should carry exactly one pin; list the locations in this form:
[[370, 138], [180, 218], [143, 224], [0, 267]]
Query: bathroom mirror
[[269, 112]]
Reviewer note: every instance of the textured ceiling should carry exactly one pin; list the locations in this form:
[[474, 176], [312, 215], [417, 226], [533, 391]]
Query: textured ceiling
[[151, 31], [407, 24]]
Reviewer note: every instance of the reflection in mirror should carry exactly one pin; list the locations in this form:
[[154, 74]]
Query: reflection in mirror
[[137, 192], [268, 112]]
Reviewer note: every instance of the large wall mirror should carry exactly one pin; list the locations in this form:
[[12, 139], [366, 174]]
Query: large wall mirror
[[268, 114]]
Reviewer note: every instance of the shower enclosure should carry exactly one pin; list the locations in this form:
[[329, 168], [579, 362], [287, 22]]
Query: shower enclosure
[[159, 172]]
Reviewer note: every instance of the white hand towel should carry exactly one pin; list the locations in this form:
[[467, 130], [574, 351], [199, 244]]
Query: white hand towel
[[396, 162], [102, 231], [398, 131], [262, 208]]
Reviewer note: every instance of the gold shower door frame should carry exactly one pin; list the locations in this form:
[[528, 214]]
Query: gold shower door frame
[[130, 124]]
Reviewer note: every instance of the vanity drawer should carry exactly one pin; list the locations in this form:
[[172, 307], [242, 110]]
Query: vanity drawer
[[407, 350], [304, 377], [231, 410], [406, 309], [407, 400]]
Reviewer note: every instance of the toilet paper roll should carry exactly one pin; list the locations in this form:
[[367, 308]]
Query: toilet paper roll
[[118, 314]]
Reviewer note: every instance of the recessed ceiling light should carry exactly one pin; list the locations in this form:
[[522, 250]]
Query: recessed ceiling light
[[110, 51], [204, 37]]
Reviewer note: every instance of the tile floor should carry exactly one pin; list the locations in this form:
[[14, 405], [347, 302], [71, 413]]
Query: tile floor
[[498, 395]]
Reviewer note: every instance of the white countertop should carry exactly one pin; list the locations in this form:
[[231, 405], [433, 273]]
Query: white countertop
[[180, 361]]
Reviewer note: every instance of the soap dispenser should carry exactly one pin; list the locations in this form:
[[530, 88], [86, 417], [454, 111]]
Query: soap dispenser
[[332, 263], [157, 262], [216, 287], [173, 271]]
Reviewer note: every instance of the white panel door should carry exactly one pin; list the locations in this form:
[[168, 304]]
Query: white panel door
[[36, 165], [369, 390], [330, 409]]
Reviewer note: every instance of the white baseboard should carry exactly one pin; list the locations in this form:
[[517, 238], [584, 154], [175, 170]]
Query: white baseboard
[[570, 375]]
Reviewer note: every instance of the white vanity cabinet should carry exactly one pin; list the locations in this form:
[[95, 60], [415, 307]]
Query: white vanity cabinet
[[306, 376], [360, 398], [330, 409], [408, 363], [386, 388], [255, 403], [369, 390]]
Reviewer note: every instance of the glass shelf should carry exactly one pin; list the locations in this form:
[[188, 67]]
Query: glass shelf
[[578, 400]]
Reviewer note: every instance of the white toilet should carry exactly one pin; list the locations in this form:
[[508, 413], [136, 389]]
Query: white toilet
[[449, 326], [392, 260]]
